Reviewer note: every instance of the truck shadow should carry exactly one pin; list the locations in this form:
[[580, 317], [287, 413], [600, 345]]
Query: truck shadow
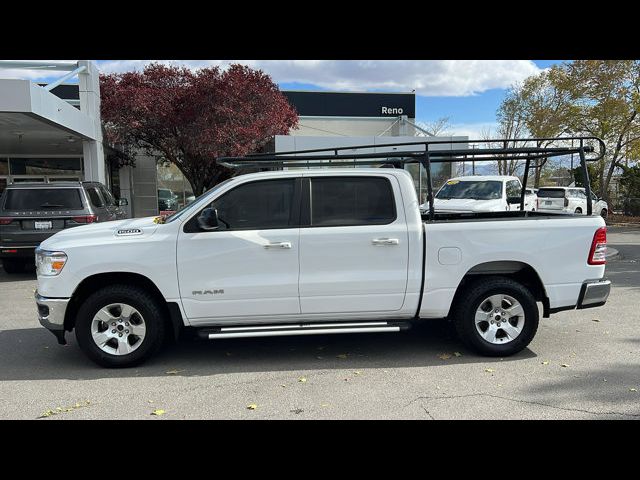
[[33, 354]]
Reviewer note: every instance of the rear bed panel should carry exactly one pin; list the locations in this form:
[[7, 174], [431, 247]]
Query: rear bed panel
[[556, 247]]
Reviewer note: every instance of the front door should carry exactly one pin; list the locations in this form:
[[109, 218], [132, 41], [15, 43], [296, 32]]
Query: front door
[[353, 245], [248, 267]]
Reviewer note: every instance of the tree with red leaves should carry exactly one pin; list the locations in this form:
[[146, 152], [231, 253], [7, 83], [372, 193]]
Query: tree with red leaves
[[191, 118]]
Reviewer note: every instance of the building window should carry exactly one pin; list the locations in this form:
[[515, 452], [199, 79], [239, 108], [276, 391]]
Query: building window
[[45, 166]]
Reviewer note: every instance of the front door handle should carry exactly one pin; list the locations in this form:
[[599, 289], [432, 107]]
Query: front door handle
[[385, 241], [278, 245]]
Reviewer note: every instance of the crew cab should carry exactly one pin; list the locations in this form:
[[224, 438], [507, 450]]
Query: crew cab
[[479, 193], [317, 251]]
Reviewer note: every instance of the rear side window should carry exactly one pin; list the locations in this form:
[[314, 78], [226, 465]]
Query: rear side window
[[96, 201], [342, 201], [257, 205], [108, 198], [43, 199], [551, 193]]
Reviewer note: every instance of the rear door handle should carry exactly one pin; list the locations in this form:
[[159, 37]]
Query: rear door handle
[[278, 245], [385, 241]]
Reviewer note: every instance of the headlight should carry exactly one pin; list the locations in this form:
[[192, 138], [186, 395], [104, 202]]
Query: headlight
[[48, 263]]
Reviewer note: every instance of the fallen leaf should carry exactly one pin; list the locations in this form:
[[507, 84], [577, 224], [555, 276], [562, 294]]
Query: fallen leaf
[[444, 356], [457, 354], [545, 362], [252, 406], [228, 354], [149, 401], [357, 372], [564, 365], [342, 355], [595, 320], [319, 357], [297, 411], [324, 405], [283, 386], [173, 372], [320, 348], [499, 384], [302, 380], [633, 389], [489, 370], [604, 379], [158, 412]]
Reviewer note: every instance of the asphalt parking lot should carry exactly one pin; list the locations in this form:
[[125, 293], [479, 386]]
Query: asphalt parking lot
[[581, 365]]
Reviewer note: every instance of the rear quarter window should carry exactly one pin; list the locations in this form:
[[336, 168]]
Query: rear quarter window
[[43, 199], [551, 193]]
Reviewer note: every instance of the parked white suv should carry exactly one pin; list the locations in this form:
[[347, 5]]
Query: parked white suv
[[569, 200], [488, 193]]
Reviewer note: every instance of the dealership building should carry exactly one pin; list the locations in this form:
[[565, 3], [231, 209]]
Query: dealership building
[[53, 132]]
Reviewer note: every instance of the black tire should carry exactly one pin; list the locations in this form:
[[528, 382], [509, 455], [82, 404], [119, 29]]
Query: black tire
[[469, 300], [603, 213], [148, 306], [578, 211], [14, 265]]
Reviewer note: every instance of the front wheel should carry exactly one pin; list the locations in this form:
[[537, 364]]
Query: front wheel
[[578, 211], [120, 326], [495, 316], [14, 265]]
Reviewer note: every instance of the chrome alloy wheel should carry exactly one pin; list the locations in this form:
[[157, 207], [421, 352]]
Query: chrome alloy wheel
[[499, 319], [118, 329]]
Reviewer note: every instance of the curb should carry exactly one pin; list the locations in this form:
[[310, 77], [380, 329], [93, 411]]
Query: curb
[[637, 225]]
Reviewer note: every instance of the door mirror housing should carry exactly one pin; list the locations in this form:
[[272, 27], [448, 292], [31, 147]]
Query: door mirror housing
[[208, 219], [513, 200], [123, 202]]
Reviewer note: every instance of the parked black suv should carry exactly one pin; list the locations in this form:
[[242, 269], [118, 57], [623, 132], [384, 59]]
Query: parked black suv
[[32, 212]]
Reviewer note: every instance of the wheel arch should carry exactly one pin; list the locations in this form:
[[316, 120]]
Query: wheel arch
[[97, 281], [521, 272]]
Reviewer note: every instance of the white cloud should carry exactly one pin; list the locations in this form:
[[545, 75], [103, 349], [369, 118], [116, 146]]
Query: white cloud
[[427, 77], [34, 74], [474, 131]]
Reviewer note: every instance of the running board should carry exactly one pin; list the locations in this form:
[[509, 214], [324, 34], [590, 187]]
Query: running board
[[301, 329]]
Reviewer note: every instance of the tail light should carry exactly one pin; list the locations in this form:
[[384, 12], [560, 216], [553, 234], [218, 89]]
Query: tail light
[[566, 202], [598, 252], [5, 220], [86, 219]]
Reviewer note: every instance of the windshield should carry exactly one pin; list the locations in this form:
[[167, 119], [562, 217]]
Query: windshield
[[474, 189], [188, 207], [43, 199], [551, 193]]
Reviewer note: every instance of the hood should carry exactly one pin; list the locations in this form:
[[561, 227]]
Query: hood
[[468, 205], [131, 228]]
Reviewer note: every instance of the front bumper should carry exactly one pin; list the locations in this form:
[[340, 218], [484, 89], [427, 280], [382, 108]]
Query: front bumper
[[51, 313], [594, 293]]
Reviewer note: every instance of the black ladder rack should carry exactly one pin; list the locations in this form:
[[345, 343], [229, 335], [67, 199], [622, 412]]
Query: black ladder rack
[[427, 152]]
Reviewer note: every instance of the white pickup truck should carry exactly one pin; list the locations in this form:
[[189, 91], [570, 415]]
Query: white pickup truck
[[302, 252]]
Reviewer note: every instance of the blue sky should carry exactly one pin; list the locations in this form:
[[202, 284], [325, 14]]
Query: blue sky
[[468, 92]]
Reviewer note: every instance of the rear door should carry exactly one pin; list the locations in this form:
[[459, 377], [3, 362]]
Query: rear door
[[99, 204], [353, 245], [551, 199]]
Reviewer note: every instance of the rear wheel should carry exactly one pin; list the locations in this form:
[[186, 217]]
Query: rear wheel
[[495, 316], [14, 265], [603, 213], [120, 326], [578, 211]]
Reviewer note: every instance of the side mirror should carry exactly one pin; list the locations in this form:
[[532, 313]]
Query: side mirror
[[123, 202], [208, 219], [513, 200]]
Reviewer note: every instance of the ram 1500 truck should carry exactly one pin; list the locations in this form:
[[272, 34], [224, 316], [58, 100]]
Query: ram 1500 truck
[[303, 252]]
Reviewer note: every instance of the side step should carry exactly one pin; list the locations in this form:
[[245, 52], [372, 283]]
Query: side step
[[301, 329]]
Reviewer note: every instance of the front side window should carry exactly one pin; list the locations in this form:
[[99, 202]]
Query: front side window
[[513, 188], [256, 206], [341, 201], [475, 189], [108, 198]]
